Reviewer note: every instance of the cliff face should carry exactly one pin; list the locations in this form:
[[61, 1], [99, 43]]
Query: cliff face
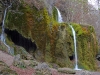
[[51, 41]]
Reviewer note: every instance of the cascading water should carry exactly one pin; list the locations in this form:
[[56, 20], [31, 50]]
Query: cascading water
[[74, 37], [59, 16], [3, 28]]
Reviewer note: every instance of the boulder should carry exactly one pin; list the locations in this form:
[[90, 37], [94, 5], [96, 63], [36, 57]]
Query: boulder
[[66, 70], [42, 69], [85, 73], [30, 63]]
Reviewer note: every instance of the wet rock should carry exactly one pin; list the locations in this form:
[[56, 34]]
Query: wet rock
[[66, 70]]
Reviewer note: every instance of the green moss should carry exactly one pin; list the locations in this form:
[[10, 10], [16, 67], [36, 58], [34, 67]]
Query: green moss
[[31, 23], [81, 30], [87, 50], [15, 21], [91, 29], [55, 14], [86, 43], [53, 40]]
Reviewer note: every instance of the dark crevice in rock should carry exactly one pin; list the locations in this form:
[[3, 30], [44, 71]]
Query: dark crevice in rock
[[19, 40], [98, 57], [1, 24], [71, 57]]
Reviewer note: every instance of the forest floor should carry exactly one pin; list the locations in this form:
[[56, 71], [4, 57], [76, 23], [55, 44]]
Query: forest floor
[[8, 59]]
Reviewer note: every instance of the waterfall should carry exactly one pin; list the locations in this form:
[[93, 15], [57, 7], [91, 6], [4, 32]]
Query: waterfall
[[76, 59], [3, 28], [59, 16], [74, 37]]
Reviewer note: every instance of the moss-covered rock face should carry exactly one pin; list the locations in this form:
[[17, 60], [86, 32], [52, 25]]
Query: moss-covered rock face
[[30, 22], [54, 41], [87, 46]]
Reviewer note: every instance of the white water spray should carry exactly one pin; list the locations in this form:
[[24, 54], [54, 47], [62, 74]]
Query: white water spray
[[3, 28], [59, 16]]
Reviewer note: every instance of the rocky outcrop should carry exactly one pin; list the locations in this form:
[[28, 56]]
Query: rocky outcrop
[[54, 41]]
